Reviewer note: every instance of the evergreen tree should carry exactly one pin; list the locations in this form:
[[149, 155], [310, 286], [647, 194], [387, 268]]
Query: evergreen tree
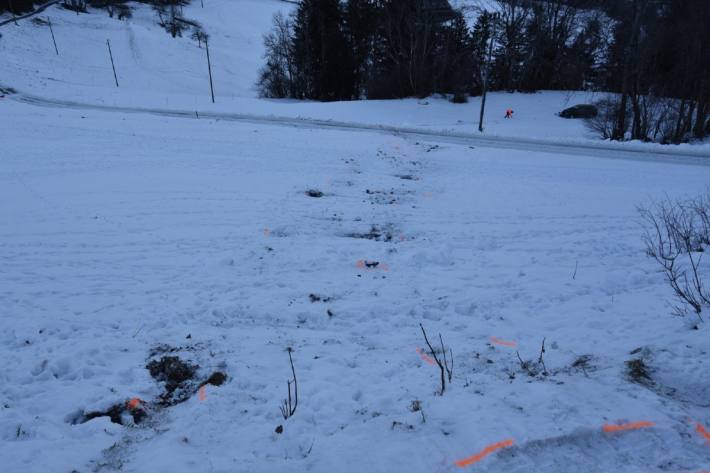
[[360, 27], [322, 55], [455, 59], [480, 38]]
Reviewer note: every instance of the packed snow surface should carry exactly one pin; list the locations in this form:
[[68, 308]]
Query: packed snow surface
[[126, 237]]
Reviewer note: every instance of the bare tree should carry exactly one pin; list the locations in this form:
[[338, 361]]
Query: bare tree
[[277, 77], [678, 233]]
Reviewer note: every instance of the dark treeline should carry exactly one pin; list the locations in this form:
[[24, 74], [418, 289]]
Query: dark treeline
[[330, 50], [24, 6], [659, 63], [17, 6], [341, 50], [169, 12], [653, 55]]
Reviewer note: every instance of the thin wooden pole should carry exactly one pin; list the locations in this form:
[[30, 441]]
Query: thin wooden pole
[[486, 72], [112, 64], [49, 21], [12, 10], [209, 67]]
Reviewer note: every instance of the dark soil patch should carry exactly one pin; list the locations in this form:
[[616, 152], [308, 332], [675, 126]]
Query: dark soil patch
[[408, 177], [116, 414], [318, 298], [178, 377], [638, 371], [376, 233], [165, 349], [583, 362], [216, 379], [314, 193], [381, 197]]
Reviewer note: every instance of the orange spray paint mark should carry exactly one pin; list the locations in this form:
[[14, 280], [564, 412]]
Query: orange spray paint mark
[[202, 393], [267, 232], [702, 431], [484, 453], [425, 357], [504, 343], [134, 403], [609, 428]]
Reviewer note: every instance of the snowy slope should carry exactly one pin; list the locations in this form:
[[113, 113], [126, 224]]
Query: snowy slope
[[125, 237], [156, 70]]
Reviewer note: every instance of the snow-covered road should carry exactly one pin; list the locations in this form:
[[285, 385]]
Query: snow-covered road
[[699, 155]]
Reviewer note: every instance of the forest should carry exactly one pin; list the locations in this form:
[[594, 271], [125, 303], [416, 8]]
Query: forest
[[649, 57], [648, 54]]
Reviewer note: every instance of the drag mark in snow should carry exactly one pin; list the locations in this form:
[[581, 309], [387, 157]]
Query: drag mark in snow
[[424, 356], [504, 343], [703, 432], [484, 453], [608, 428]]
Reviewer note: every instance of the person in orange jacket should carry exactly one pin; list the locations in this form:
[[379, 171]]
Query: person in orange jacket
[[509, 113]]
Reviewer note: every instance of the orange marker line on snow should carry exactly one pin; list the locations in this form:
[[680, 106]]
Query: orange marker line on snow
[[702, 431], [425, 357], [608, 428], [484, 453], [504, 343], [202, 393]]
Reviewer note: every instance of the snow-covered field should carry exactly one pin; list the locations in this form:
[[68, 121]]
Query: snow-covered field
[[128, 237]]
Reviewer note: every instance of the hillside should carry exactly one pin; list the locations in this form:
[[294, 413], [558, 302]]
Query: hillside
[[157, 71], [170, 269]]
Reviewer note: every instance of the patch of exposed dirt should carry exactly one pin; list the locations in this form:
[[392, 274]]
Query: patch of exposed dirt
[[318, 298], [376, 233], [178, 377]]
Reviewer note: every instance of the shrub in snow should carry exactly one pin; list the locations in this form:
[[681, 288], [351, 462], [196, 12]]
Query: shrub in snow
[[677, 236]]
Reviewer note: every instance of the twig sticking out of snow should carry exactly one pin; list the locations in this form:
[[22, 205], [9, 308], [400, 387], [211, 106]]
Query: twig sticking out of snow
[[288, 408], [446, 369]]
